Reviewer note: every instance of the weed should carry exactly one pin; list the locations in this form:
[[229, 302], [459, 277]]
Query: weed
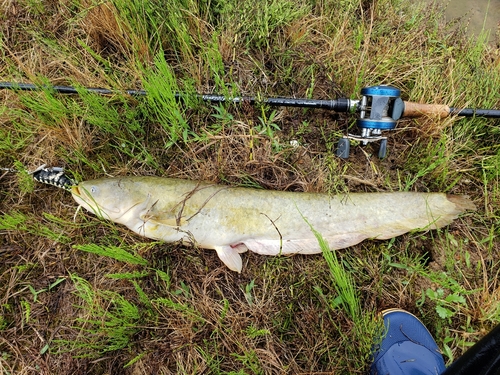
[[256, 22], [224, 117], [365, 327], [186, 311], [445, 306], [250, 361], [162, 88], [248, 292], [112, 252], [253, 332], [19, 222], [108, 324], [267, 125], [26, 308], [35, 293]]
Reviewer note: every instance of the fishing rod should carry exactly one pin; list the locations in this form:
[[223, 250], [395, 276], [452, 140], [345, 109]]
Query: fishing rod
[[379, 108], [340, 105]]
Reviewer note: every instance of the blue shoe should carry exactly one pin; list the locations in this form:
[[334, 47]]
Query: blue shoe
[[407, 348]]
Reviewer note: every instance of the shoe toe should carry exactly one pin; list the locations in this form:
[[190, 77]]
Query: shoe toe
[[406, 346]]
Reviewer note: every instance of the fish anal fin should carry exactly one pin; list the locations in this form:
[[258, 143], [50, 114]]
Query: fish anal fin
[[230, 257], [240, 248]]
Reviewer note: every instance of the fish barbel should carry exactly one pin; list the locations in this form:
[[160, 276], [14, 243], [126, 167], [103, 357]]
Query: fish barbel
[[232, 220]]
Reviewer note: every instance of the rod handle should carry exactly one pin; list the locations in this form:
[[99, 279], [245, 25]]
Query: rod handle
[[432, 110]]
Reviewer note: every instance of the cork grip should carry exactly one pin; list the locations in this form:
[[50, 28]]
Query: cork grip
[[432, 110]]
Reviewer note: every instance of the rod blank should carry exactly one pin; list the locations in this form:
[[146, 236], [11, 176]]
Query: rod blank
[[470, 112], [338, 105]]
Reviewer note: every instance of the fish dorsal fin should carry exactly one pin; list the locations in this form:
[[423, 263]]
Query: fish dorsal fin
[[230, 257]]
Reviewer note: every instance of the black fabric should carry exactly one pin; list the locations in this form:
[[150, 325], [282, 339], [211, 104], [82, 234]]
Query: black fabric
[[481, 359]]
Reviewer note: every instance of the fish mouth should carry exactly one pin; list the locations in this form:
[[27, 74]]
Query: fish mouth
[[75, 190], [86, 200]]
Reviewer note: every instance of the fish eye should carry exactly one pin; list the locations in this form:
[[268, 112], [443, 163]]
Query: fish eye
[[93, 189]]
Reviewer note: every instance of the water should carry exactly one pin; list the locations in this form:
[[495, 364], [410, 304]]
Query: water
[[477, 13]]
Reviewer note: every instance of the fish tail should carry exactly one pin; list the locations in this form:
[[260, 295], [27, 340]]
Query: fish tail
[[462, 202]]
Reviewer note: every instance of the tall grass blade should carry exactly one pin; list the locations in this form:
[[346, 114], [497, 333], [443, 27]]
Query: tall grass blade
[[113, 252]]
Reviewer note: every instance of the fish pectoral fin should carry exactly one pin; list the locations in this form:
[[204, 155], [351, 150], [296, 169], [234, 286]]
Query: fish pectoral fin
[[230, 257], [169, 222]]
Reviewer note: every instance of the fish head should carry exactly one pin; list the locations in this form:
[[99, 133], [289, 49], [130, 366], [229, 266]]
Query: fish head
[[110, 199]]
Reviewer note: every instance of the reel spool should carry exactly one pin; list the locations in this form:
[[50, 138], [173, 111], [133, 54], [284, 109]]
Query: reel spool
[[380, 108]]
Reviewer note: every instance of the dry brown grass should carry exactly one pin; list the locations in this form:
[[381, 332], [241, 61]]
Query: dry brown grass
[[279, 315]]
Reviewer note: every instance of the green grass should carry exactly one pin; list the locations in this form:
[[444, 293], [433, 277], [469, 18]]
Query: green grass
[[108, 323], [113, 252], [365, 328], [78, 295]]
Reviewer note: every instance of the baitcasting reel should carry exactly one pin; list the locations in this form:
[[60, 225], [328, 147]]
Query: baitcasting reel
[[380, 108]]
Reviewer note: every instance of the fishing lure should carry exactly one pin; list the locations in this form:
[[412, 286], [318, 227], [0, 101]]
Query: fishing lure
[[53, 176]]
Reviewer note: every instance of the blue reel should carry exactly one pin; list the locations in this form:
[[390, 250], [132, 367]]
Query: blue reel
[[380, 108]]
